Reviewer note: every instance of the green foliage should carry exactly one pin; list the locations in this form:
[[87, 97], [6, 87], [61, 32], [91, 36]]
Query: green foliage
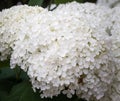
[[35, 2], [65, 1], [4, 64], [6, 73], [22, 92], [45, 3]]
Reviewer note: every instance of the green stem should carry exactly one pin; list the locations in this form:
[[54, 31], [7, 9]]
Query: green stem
[[18, 73], [49, 6]]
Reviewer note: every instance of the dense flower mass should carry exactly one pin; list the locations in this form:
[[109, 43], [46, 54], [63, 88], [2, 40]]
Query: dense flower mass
[[71, 50], [66, 52], [113, 93], [115, 32], [11, 29]]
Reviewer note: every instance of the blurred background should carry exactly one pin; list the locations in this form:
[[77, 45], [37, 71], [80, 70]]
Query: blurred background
[[44, 3]]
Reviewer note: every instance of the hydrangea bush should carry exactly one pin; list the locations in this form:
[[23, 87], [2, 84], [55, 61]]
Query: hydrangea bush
[[72, 50]]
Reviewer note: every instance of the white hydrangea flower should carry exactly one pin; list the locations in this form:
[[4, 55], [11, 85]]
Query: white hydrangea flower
[[115, 32], [109, 3], [11, 26], [67, 51], [113, 93], [97, 16]]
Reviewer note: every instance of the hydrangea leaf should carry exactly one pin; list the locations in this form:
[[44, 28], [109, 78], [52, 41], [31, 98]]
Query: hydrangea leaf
[[35, 2], [4, 64], [22, 92], [65, 1], [5, 87], [6, 73], [2, 95]]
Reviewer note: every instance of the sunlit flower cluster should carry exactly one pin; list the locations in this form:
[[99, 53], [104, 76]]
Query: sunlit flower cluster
[[71, 50]]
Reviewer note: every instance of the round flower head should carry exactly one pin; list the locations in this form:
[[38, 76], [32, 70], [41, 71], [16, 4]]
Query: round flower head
[[66, 51], [109, 3], [11, 28]]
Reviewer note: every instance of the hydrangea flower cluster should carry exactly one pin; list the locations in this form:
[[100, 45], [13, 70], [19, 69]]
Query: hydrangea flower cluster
[[113, 93], [11, 29], [69, 50]]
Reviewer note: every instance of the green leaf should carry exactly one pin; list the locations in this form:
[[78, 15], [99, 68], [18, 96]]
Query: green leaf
[[6, 73], [4, 64], [22, 92], [35, 2], [24, 76], [2, 95], [5, 87], [65, 1]]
